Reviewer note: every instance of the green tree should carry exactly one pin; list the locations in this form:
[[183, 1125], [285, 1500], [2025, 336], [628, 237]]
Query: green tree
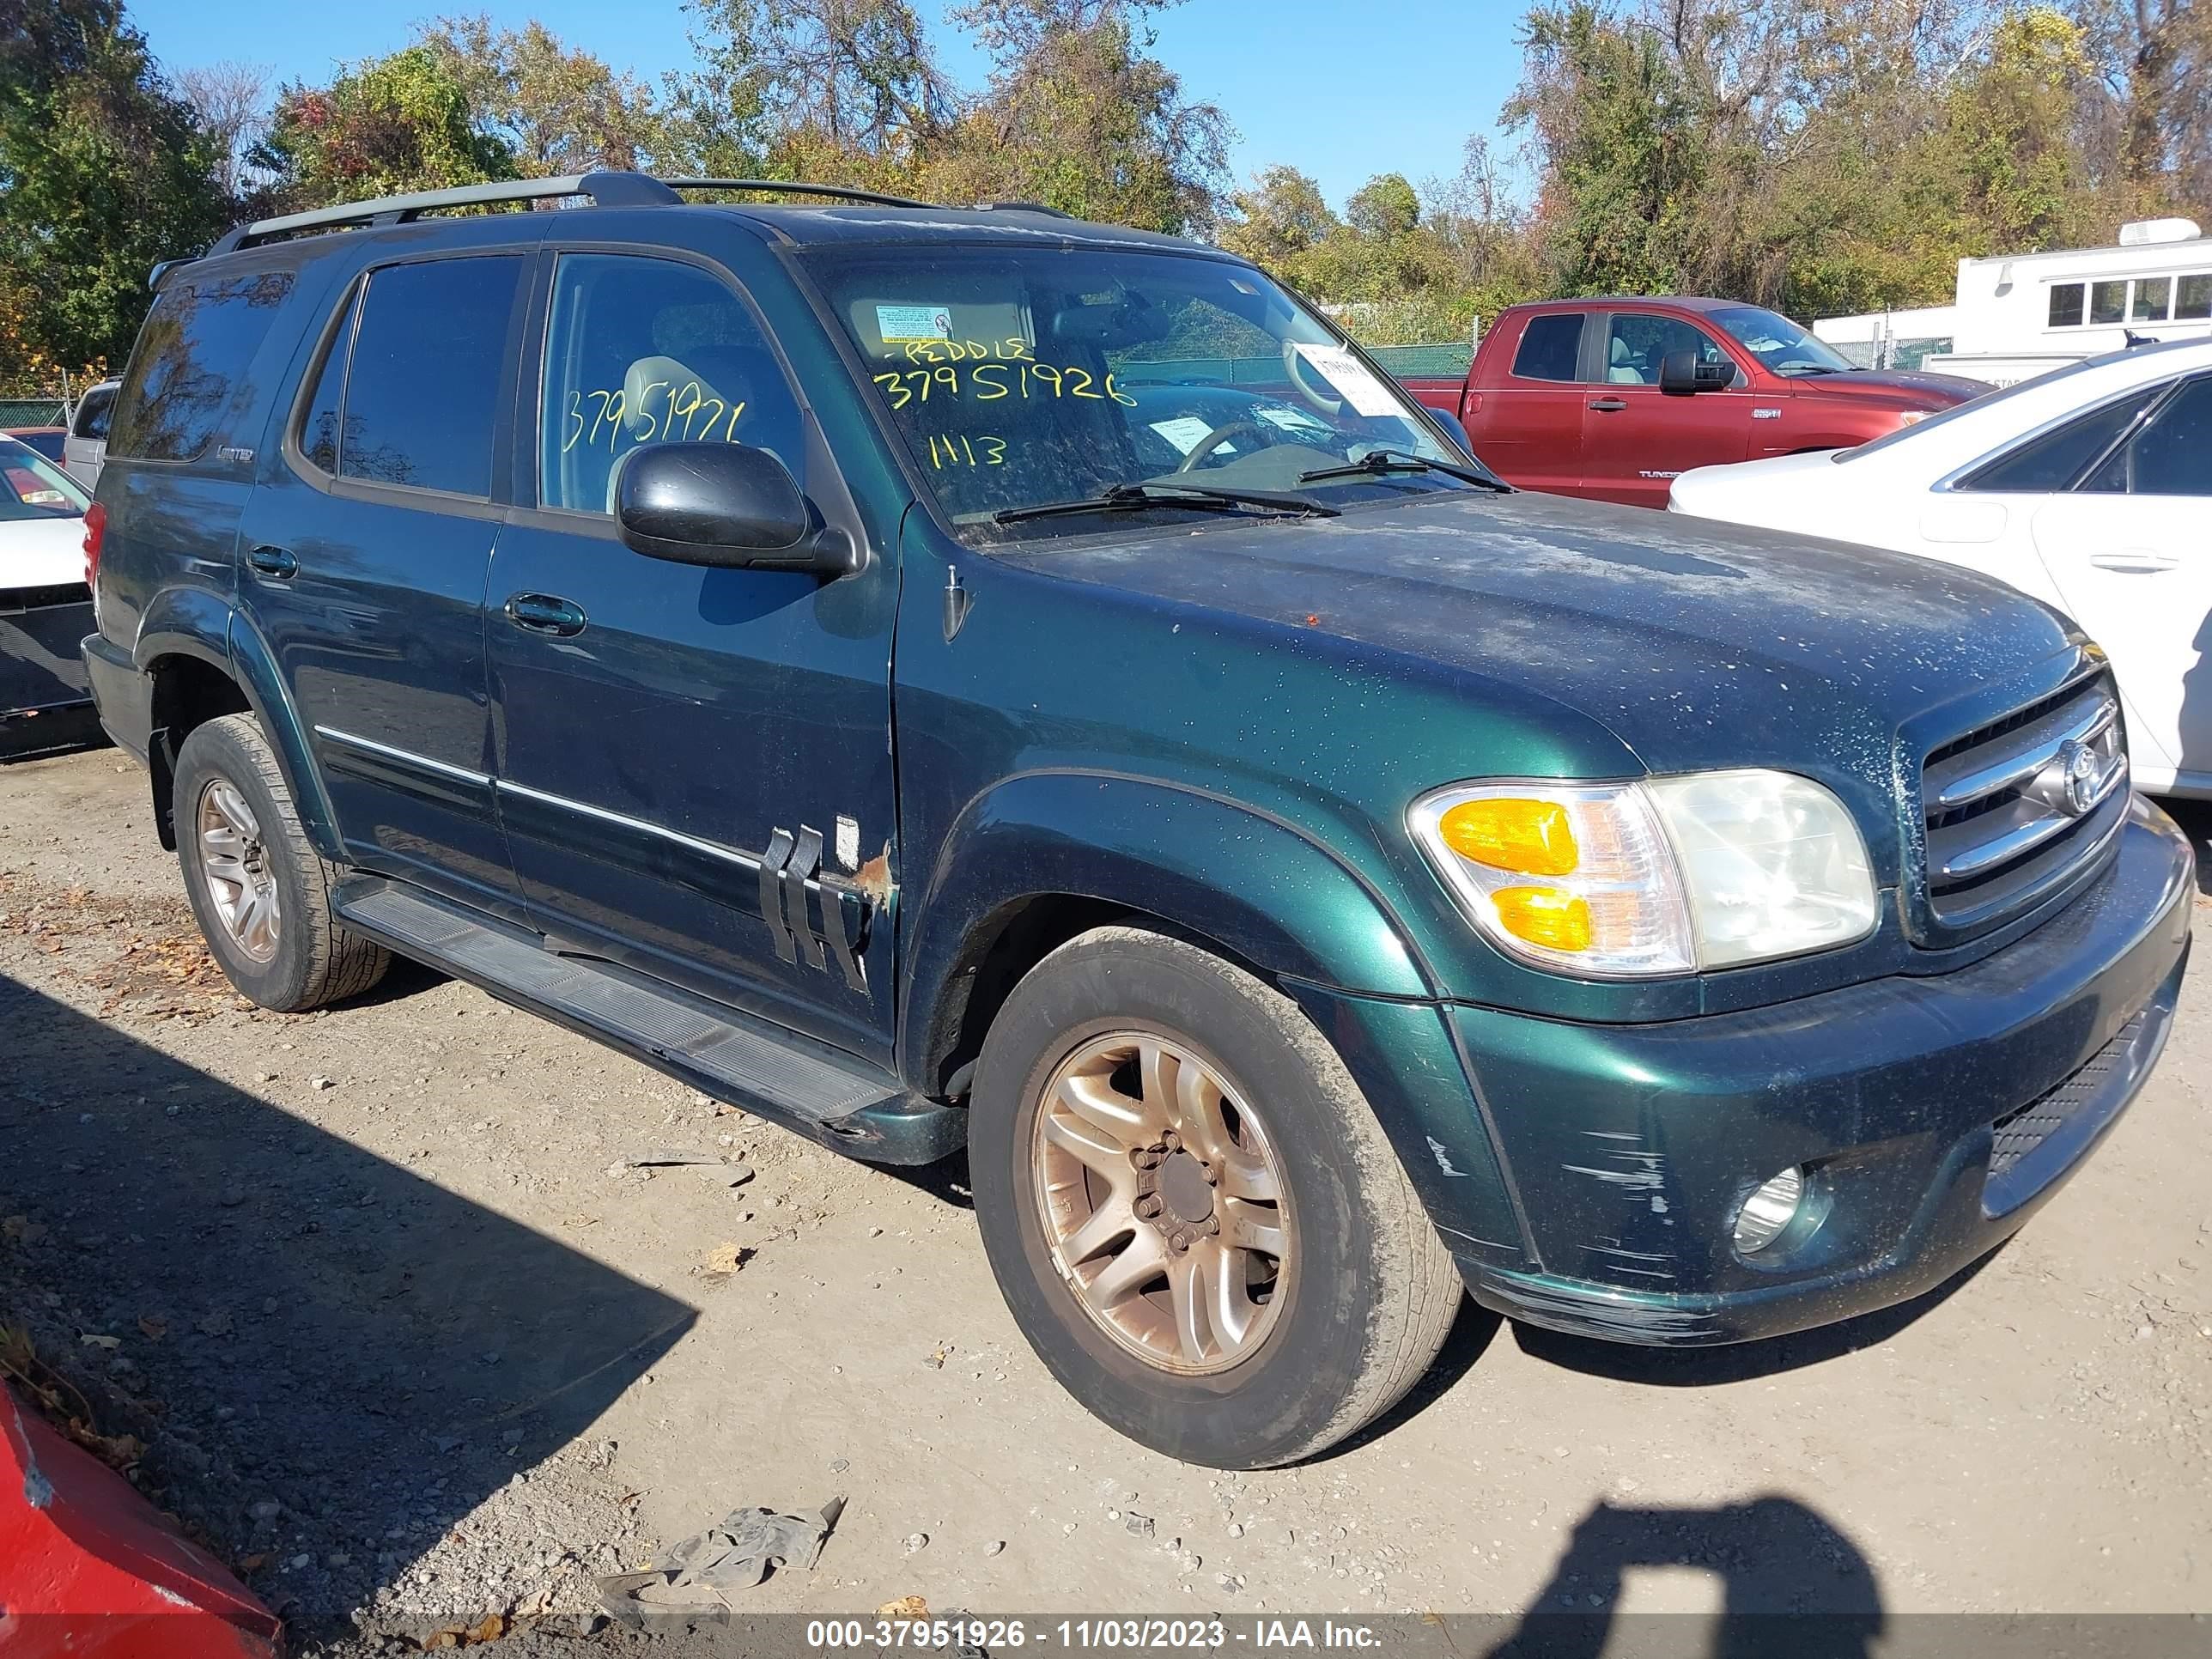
[[557, 108], [103, 173], [383, 127]]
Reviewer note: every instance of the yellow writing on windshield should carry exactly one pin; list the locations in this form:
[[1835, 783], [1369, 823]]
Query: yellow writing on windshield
[[962, 351], [698, 411], [980, 450], [987, 382]]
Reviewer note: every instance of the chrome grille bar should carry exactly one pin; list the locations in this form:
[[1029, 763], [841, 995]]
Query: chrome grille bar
[[2038, 746]]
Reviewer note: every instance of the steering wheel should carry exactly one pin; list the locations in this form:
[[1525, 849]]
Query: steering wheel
[[1214, 440], [1294, 365]]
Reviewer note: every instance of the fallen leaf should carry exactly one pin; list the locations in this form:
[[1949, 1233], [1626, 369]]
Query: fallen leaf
[[151, 1328], [253, 1563], [21, 1229], [109, 1344], [215, 1324], [725, 1258], [907, 1607]]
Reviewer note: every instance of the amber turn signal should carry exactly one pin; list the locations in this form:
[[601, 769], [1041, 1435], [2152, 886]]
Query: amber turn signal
[[1549, 916], [1534, 837]]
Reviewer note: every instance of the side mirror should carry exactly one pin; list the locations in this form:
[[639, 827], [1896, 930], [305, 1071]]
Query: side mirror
[[723, 504], [1682, 373]]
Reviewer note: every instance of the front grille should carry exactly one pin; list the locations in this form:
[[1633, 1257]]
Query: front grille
[[2020, 1132], [2015, 807]]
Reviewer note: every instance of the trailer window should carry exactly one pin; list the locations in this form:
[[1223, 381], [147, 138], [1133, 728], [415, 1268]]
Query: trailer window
[[2193, 300], [2153, 298], [2108, 302], [2066, 304]]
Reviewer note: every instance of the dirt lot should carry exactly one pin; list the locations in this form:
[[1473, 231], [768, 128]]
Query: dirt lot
[[409, 1341]]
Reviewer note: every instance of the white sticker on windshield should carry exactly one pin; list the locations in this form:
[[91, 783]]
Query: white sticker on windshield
[[1184, 432], [1366, 394], [914, 322], [1291, 420]]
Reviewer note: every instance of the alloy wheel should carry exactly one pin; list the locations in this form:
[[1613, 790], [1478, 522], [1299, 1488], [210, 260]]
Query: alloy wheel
[[241, 883]]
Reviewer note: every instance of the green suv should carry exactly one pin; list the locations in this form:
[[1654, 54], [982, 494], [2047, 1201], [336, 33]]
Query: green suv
[[976, 682]]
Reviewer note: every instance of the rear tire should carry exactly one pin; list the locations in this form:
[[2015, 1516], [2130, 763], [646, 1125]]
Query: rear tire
[[1312, 1313], [260, 890]]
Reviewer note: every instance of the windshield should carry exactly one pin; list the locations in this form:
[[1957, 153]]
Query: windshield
[[1021, 378], [34, 487], [1779, 343]]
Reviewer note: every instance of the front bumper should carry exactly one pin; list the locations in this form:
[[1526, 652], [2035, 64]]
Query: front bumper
[[1934, 1115]]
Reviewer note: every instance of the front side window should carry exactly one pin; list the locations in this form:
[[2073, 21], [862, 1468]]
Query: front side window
[[2066, 301], [2173, 453], [641, 351], [1018, 378], [1550, 347], [1637, 344], [31, 487], [2052, 462], [189, 368], [1779, 343], [409, 390]]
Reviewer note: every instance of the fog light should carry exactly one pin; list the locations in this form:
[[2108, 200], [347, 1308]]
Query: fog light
[[1768, 1211]]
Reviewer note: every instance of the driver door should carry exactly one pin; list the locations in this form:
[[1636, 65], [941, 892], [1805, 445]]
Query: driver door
[[1638, 440]]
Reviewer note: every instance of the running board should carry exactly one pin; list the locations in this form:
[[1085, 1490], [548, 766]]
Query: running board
[[836, 1099]]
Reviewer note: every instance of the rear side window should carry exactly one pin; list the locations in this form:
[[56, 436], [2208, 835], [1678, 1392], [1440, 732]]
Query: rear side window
[[409, 390], [641, 350], [188, 373], [2053, 461], [2171, 455], [92, 412], [1550, 347]]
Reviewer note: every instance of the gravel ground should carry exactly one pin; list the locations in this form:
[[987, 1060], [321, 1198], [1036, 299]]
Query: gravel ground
[[407, 1339]]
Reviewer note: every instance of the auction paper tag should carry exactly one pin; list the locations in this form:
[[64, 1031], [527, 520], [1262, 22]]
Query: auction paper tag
[[914, 322], [1184, 432], [1366, 394]]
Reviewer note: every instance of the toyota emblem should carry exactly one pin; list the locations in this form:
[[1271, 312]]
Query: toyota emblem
[[2079, 774]]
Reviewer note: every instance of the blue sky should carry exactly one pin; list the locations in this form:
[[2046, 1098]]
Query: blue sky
[[1342, 92]]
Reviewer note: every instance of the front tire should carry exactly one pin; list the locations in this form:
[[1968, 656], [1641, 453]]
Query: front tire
[[260, 890], [1191, 1211]]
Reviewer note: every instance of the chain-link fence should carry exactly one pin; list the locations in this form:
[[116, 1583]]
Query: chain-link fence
[[33, 411]]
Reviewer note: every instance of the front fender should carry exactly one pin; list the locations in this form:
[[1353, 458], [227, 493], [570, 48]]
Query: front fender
[[1260, 887]]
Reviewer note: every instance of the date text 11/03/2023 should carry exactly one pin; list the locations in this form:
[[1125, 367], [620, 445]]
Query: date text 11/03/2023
[[1264, 1636]]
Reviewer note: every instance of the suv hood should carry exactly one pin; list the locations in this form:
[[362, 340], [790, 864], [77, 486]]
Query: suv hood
[[1906, 388], [1698, 644]]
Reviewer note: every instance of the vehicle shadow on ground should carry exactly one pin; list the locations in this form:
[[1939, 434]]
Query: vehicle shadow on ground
[[1740, 1362], [1792, 1581], [326, 1352], [2195, 817]]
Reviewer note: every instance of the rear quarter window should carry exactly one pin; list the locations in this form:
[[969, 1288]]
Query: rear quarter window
[[188, 373]]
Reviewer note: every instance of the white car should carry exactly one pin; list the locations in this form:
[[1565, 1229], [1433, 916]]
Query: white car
[[2089, 488], [46, 610]]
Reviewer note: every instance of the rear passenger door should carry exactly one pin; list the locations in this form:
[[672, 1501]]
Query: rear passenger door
[[1638, 440], [695, 764], [1531, 422], [365, 555]]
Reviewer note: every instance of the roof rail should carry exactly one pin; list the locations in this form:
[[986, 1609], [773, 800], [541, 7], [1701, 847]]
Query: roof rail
[[797, 187], [605, 190], [1022, 207]]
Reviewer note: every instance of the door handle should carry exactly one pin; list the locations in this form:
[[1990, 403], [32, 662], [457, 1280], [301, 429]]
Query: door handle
[[2136, 562], [544, 613], [1610, 405], [277, 563]]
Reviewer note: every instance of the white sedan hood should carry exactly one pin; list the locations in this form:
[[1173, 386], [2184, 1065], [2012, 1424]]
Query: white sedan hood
[[41, 552], [1771, 493]]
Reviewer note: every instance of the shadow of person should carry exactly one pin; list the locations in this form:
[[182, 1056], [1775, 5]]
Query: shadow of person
[[1792, 1582], [342, 1353]]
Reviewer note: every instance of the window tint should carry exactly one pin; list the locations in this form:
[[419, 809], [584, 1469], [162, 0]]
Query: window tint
[[2108, 302], [189, 366], [641, 350], [2193, 297], [2053, 461], [423, 385], [2066, 304], [1636, 345], [1550, 347], [318, 427], [2171, 455], [94, 410], [2153, 296]]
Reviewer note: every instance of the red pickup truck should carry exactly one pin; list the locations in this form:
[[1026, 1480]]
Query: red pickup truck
[[1613, 398]]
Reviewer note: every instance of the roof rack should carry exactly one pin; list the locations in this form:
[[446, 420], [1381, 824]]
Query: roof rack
[[609, 189]]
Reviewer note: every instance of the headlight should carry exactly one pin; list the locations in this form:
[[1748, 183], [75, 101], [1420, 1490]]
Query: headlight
[[1667, 876]]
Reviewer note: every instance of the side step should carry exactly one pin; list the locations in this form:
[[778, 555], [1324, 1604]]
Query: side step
[[836, 1099]]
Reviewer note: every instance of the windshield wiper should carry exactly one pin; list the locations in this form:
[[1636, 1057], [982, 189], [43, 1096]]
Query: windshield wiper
[[1377, 462], [1199, 498]]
